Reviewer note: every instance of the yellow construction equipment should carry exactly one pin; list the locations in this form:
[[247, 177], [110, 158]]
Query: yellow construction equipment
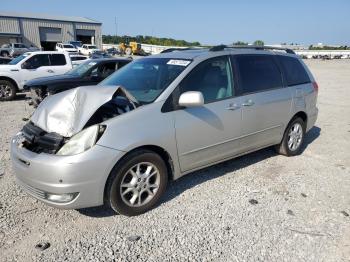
[[131, 48]]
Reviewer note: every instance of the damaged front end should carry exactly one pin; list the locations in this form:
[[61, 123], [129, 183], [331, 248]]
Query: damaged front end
[[69, 123]]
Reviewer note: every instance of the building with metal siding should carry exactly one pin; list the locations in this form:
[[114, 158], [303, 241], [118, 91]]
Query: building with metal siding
[[45, 31]]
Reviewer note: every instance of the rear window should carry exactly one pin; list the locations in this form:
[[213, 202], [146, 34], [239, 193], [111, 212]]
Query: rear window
[[57, 59], [78, 58], [294, 71], [258, 73]]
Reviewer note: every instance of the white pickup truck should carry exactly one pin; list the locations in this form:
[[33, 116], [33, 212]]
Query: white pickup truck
[[15, 49], [28, 66], [88, 49]]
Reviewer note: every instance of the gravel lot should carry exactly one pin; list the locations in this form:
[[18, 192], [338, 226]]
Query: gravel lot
[[301, 212]]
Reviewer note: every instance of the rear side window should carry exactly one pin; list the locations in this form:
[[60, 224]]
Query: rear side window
[[258, 73], [77, 58], [58, 59], [294, 71]]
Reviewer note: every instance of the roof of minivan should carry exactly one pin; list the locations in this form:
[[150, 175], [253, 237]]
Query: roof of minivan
[[111, 59], [205, 52]]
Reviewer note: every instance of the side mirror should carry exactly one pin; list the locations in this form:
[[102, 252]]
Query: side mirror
[[191, 99]]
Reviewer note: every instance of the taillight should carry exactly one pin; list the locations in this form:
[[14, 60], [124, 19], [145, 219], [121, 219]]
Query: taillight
[[315, 86]]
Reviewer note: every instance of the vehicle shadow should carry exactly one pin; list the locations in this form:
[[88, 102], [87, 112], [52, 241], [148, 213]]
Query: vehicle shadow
[[21, 96], [175, 188], [311, 136]]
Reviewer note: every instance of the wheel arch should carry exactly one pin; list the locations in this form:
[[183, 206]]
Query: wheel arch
[[156, 149], [302, 115], [10, 80]]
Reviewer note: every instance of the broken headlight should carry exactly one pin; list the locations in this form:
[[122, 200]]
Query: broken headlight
[[82, 141]]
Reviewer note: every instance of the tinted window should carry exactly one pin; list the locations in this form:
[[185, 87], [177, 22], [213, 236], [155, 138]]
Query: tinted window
[[57, 59], [106, 69], [78, 58], [212, 77], [293, 70], [37, 61], [122, 63], [258, 73]]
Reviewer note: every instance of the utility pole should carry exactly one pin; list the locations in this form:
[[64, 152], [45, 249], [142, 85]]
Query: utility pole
[[116, 27]]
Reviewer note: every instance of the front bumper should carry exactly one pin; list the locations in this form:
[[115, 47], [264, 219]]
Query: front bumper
[[84, 174]]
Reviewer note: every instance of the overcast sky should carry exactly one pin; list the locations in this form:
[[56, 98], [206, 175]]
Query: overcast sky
[[209, 22]]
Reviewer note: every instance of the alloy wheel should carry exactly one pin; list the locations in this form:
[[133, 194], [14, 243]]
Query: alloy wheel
[[5, 91], [295, 136], [140, 184]]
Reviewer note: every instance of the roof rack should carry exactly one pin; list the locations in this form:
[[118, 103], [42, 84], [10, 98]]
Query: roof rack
[[169, 50], [256, 47]]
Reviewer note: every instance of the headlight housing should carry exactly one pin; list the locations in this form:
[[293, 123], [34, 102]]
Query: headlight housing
[[82, 141]]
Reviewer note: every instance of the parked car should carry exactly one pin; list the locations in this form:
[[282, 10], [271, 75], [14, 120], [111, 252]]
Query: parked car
[[88, 49], [112, 51], [78, 59], [99, 54], [15, 49], [15, 74], [66, 47], [76, 44], [161, 117], [5, 60], [89, 73]]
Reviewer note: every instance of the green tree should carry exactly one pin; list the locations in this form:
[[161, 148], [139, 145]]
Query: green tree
[[259, 43], [240, 43], [109, 39]]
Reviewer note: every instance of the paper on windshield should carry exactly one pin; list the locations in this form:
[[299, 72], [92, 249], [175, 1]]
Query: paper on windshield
[[178, 62]]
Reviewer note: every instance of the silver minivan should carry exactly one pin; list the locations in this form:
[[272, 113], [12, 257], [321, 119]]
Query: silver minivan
[[158, 118]]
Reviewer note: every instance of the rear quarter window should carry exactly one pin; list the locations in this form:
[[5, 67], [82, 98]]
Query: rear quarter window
[[258, 73], [58, 60], [294, 72]]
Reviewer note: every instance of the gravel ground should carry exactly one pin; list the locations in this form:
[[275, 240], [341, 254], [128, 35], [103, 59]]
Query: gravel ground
[[259, 207]]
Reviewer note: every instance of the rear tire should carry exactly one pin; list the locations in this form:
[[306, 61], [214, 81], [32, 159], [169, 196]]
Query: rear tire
[[293, 138], [137, 183], [128, 51], [7, 90]]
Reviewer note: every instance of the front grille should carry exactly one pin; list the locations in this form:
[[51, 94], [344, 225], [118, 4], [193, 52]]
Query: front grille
[[39, 141]]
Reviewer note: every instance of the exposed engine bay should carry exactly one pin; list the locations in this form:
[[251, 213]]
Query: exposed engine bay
[[61, 116]]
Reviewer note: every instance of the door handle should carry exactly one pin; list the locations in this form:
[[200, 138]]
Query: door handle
[[233, 107], [50, 71], [248, 103]]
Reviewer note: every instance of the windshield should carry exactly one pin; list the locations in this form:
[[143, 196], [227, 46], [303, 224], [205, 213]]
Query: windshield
[[68, 46], [146, 78], [92, 47], [76, 43], [81, 69], [16, 60]]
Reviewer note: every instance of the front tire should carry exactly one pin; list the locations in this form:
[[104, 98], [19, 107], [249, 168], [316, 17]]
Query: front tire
[[137, 183], [7, 90], [293, 138]]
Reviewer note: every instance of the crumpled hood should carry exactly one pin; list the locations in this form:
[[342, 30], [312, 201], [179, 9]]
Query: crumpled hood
[[67, 113]]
